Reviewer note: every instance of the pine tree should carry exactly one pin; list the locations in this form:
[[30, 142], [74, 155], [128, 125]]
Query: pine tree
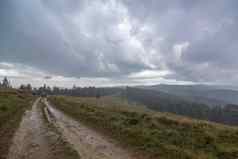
[[6, 83]]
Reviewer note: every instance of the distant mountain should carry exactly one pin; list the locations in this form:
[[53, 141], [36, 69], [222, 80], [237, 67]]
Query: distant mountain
[[207, 94]]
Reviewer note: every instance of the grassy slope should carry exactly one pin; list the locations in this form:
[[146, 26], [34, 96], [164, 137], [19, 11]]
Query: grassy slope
[[156, 135], [12, 106]]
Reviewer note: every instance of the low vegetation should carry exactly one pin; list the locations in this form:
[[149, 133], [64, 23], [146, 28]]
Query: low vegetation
[[154, 134], [12, 107]]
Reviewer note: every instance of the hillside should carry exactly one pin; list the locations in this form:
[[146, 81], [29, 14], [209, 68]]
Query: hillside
[[153, 134], [165, 102]]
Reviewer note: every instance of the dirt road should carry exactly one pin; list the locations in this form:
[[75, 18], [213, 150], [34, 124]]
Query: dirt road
[[37, 139], [32, 139], [88, 143]]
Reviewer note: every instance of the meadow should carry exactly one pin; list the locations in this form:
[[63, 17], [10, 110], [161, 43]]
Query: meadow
[[152, 134]]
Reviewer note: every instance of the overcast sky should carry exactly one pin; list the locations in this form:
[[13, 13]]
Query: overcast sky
[[119, 42]]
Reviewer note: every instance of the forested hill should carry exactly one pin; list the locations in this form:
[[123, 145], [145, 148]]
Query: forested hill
[[164, 102]]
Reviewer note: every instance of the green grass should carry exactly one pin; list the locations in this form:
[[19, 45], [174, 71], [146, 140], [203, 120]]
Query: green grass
[[155, 135], [12, 106]]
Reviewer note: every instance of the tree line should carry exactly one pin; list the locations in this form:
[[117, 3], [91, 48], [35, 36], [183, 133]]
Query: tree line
[[74, 91]]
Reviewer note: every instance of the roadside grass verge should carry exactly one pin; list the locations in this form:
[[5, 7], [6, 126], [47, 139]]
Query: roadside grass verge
[[60, 148], [155, 135], [12, 107]]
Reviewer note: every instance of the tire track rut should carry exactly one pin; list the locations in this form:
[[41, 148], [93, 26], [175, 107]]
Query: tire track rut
[[88, 143], [30, 140]]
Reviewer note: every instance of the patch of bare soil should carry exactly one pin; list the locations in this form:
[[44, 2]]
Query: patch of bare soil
[[88, 143]]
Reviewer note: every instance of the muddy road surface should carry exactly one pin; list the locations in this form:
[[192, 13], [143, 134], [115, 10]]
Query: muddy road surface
[[30, 141], [36, 138], [33, 139], [88, 143]]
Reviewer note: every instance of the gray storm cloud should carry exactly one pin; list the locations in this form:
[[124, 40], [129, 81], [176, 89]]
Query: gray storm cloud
[[192, 40]]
